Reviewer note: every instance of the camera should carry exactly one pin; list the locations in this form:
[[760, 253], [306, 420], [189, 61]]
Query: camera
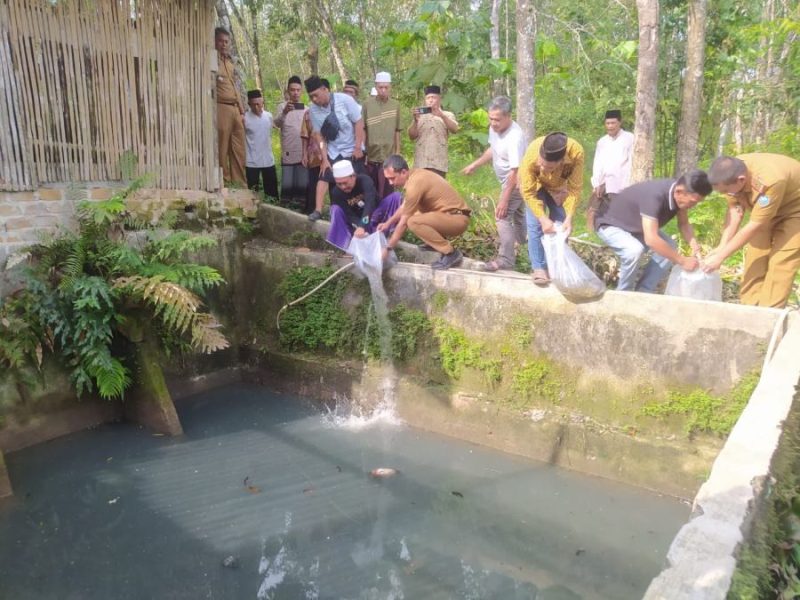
[[424, 110], [298, 105]]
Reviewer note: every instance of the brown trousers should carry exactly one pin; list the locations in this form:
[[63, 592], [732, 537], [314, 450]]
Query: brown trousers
[[230, 137], [434, 228], [771, 261]]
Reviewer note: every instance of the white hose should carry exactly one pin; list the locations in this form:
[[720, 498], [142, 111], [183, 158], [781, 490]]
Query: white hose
[[301, 298]]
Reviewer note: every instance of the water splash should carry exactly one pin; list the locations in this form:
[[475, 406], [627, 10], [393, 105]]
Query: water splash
[[355, 415]]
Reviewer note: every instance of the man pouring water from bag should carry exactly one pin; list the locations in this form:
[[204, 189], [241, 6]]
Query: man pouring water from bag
[[633, 222]]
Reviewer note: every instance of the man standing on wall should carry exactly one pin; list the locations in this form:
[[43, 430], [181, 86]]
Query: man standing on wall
[[430, 130], [260, 164], [506, 149], [289, 120], [338, 129], [633, 222], [768, 185], [611, 170], [230, 112], [431, 209], [550, 180], [382, 126]]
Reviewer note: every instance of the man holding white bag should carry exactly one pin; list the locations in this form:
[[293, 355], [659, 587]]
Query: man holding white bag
[[633, 224]]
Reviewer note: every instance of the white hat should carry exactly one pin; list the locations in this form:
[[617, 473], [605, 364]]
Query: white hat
[[373, 92], [383, 77], [343, 168]]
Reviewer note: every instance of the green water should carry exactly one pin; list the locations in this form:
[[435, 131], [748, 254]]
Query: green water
[[118, 513]]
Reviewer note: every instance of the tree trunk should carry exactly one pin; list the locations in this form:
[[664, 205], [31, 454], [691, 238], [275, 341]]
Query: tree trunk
[[327, 27], [494, 44], [526, 71], [646, 92], [259, 75], [689, 127]]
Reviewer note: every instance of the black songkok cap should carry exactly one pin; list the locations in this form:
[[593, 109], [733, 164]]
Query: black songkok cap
[[294, 79], [433, 89], [351, 83], [313, 83], [554, 146], [254, 94], [614, 114]]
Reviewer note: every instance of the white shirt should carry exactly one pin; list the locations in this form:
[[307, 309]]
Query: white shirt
[[258, 138], [612, 162], [508, 148]]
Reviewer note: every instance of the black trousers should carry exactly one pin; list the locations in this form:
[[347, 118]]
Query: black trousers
[[268, 175]]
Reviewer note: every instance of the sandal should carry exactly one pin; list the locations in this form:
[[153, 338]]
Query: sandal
[[490, 266], [540, 277]]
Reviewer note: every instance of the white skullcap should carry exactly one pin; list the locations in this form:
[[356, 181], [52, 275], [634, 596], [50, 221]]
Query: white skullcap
[[343, 168], [383, 77], [373, 92]]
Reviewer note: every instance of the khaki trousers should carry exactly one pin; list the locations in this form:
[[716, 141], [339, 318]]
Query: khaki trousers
[[434, 228], [230, 137], [771, 261]]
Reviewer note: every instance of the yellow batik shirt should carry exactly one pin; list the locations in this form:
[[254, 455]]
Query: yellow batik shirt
[[569, 174]]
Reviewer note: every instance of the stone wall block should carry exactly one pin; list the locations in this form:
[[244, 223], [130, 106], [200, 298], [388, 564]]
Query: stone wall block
[[51, 194], [100, 193], [7, 210]]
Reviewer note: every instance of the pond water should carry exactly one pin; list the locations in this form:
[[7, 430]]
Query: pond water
[[283, 496]]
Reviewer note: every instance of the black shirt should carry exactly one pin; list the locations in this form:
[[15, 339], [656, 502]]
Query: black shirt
[[358, 203], [651, 199]]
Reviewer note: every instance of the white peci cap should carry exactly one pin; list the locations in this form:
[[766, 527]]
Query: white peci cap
[[383, 77], [343, 168]]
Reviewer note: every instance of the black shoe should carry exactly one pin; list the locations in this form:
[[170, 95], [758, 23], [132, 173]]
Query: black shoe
[[315, 216], [426, 248], [448, 260]]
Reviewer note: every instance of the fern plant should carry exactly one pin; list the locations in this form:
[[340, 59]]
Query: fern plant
[[114, 276]]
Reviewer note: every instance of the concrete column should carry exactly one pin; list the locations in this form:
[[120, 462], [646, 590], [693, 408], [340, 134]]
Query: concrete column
[[150, 403]]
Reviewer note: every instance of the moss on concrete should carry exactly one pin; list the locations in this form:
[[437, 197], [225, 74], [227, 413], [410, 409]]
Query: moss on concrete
[[769, 561]]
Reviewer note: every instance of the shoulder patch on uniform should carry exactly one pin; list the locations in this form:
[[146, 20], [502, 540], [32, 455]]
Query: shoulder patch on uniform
[[763, 200]]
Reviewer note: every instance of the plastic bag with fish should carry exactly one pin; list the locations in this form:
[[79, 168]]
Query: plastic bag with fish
[[368, 252], [568, 272], [694, 284]]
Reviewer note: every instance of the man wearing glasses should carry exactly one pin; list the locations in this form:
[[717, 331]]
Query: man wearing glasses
[[767, 185]]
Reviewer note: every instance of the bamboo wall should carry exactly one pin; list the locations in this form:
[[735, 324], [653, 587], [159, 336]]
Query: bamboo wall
[[100, 90]]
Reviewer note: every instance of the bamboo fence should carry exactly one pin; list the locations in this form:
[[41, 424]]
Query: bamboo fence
[[103, 90]]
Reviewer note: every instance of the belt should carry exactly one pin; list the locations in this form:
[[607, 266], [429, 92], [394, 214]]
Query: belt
[[458, 211], [229, 103]]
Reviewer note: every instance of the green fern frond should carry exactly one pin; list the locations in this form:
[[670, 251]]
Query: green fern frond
[[100, 213], [111, 376], [197, 278], [176, 245]]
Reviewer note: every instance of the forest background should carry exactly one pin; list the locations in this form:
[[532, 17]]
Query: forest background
[[694, 79]]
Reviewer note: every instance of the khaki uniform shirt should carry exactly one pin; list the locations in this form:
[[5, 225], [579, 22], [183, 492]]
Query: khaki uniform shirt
[[425, 191], [430, 151], [773, 192], [569, 174], [228, 83], [381, 121]]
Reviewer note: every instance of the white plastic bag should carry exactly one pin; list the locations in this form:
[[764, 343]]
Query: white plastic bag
[[568, 272], [694, 284], [368, 252]]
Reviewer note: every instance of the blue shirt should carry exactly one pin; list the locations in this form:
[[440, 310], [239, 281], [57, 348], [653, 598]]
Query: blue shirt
[[348, 112]]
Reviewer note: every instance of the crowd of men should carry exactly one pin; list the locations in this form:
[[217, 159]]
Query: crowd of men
[[350, 151]]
